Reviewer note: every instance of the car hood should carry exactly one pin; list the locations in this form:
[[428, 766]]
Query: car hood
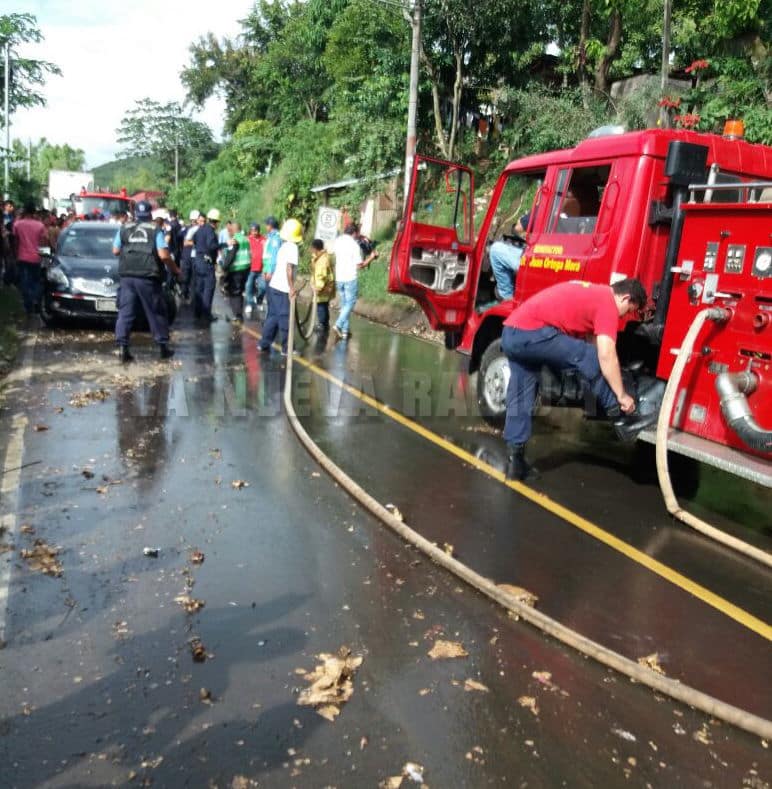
[[88, 268]]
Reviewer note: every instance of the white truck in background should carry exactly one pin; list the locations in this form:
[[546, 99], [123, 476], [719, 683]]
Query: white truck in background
[[62, 184]]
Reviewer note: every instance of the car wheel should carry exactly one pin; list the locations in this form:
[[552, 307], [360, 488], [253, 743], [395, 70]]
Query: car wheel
[[492, 384], [49, 318]]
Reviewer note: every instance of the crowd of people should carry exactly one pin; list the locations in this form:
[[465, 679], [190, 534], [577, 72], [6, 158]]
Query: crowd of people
[[256, 267]]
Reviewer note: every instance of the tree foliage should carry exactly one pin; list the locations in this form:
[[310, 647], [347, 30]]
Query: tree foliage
[[27, 75], [316, 90], [165, 132]]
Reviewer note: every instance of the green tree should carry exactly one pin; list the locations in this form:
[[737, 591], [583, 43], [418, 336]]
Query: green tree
[[165, 132], [26, 74]]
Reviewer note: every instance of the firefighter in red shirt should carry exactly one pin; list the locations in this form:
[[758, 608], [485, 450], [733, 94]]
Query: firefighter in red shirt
[[549, 329]]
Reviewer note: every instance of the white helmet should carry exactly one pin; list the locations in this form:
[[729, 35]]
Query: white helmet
[[213, 214], [194, 215]]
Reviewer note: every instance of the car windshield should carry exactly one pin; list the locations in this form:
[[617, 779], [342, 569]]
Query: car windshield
[[100, 205], [87, 243]]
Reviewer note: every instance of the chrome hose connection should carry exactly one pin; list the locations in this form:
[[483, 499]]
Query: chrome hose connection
[[733, 389]]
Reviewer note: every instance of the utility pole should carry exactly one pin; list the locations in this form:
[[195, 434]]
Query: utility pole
[[412, 106], [176, 161], [6, 158], [663, 111]]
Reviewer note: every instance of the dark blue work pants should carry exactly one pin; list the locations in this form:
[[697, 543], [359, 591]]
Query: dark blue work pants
[[277, 320], [30, 285], [204, 284], [186, 268], [141, 293], [527, 352]]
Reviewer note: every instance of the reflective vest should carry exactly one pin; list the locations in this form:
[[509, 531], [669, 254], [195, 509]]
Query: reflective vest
[[139, 256]]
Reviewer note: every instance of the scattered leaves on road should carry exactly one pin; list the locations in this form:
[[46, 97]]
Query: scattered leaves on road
[[447, 650], [121, 630], [40, 428], [703, 735], [520, 594], [190, 604], [198, 650], [238, 484], [82, 399], [331, 682], [197, 557], [42, 558], [529, 703], [473, 684], [652, 662], [412, 771], [87, 473], [25, 528]]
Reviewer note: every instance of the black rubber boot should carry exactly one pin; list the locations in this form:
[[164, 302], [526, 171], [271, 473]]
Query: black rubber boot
[[166, 351], [126, 356], [517, 466]]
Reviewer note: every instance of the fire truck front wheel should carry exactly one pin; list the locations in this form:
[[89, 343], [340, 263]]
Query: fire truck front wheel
[[492, 383]]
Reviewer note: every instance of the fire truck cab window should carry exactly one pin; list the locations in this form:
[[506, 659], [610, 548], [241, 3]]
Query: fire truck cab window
[[441, 198], [577, 199]]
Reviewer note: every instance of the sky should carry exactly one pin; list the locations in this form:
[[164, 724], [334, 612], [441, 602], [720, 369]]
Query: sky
[[112, 54]]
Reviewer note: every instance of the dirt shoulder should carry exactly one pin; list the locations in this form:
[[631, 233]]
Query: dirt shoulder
[[407, 319]]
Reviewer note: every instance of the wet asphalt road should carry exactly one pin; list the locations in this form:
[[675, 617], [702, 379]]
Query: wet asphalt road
[[99, 682]]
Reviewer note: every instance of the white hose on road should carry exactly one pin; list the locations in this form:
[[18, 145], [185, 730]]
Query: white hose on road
[[663, 429], [742, 719]]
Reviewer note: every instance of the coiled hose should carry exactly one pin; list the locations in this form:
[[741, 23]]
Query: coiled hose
[[742, 719], [663, 428]]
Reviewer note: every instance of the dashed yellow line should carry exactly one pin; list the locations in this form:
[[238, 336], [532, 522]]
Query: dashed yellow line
[[545, 502]]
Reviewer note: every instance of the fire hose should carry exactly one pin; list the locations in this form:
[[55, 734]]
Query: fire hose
[[663, 426], [305, 325], [740, 718]]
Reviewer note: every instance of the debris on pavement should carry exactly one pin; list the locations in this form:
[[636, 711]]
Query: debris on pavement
[[40, 428], [82, 399], [121, 630], [412, 771], [529, 703], [153, 552], [190, 604], [624, 735], [473, 684], [42, 558], [197, 557], [238, 484], [205, 695], [25, 528], [520, 594], [87, 473], [331, 682], [447, 650], [703, 735], [652, 662], [198, 650], [448, 548]]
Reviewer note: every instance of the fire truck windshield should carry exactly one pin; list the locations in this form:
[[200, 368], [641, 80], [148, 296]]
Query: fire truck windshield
[[101, 204]]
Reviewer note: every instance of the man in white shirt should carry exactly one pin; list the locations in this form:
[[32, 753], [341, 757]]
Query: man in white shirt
[[282, 287], [348, 261]]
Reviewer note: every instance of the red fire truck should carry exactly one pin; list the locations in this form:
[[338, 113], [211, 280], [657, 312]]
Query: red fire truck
[[101, 204], [688, 214]]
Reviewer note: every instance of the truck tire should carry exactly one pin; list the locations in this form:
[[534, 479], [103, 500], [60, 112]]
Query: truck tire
[[492, 383]]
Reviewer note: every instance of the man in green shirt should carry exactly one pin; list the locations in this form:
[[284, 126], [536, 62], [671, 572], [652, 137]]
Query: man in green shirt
[[236, 264]]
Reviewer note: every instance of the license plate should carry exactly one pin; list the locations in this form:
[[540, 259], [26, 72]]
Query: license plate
[[106, 305]]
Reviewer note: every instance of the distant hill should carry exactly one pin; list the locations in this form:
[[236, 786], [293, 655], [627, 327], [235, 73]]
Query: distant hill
[[136, 173]]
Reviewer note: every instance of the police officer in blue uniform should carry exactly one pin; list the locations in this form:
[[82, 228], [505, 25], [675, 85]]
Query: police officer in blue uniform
[[143, 252], [205, 244]]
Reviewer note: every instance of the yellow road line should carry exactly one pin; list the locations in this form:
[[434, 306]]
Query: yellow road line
[[545, 502]]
